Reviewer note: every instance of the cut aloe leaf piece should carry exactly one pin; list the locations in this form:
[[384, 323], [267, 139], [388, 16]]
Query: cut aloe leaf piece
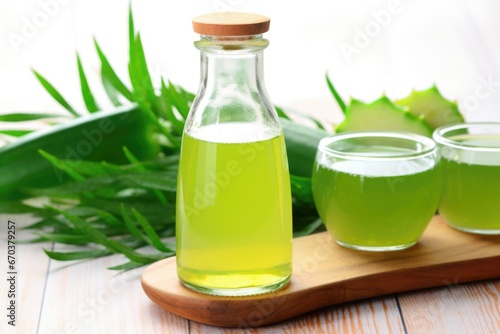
[[433, 107], [381, 114]]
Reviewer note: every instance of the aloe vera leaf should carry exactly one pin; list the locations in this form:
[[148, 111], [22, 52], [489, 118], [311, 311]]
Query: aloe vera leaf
[[301, 146], [433, 107], [22, 166], [381, 114], [55, 94]]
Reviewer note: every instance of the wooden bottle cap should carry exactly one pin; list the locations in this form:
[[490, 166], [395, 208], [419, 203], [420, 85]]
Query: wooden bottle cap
[[231, 24]]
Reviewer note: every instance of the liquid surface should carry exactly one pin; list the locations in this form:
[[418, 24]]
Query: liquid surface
[[376, 204], [234, 228]]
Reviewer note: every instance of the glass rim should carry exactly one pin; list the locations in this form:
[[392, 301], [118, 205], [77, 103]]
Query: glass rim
[[440, 138], [429, 145]]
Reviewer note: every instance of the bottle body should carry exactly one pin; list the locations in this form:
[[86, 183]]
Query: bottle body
[[234, 219]]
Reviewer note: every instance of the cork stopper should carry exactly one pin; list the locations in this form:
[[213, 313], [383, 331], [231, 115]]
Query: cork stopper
[[231, 24]]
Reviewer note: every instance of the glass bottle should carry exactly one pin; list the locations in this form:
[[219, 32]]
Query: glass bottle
[[234, 214]]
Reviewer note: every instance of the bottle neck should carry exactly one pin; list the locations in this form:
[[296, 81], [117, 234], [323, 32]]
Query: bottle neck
[[232, 62]]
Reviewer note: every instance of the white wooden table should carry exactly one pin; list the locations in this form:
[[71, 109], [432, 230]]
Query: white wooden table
[[85, 297]]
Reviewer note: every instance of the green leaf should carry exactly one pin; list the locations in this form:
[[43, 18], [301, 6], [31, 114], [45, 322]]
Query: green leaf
[[151, 233], [15, 133], [131, 30], [132, 159], [130, 224], [177, 100], [301, 188], [339, 100], [110, 244], [166, 181], [62, 165], [127, 266], [169, 113], [313, 119], [55, 94], [107, 217], [281, 113], [71, 256], [24, 117], [156, 213], [309, 228], [110, 79], [87, 95], [71, 239], [139, 75], [18, 207]]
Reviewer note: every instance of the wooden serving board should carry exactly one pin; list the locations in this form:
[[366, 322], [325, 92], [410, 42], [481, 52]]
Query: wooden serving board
[[327, 274]]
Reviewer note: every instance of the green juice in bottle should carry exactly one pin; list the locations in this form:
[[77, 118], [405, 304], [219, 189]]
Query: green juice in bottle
[[234, 210]]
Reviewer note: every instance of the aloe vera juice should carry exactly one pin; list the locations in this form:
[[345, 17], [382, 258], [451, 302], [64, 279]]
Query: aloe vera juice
[[234, 227], [373, 204], [471, 186]]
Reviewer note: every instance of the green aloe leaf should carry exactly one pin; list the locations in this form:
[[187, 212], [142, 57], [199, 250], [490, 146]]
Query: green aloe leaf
[[87, 95], [302, 188], [309, 228], [55, 94]]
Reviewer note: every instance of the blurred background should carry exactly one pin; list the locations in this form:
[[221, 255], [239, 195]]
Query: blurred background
[[367, 48]]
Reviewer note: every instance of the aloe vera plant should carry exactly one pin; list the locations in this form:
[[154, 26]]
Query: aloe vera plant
[[421, 112]]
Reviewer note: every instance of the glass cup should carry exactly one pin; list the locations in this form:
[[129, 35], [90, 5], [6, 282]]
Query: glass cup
[[376, 191], [471, 176]]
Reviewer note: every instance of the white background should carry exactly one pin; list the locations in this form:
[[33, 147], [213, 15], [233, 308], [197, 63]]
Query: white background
[[451, 43]]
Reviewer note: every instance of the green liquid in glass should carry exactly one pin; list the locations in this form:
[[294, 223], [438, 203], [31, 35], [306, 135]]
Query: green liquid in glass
[[367, 205], [471, 187]]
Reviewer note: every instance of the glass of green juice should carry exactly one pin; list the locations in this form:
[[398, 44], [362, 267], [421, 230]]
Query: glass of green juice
[[470, 165], [376, 191]]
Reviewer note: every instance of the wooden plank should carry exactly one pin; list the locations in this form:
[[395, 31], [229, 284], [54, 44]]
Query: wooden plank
[[326, 274], [31, 268], [86, 297], [454, 308], [376, 315]]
